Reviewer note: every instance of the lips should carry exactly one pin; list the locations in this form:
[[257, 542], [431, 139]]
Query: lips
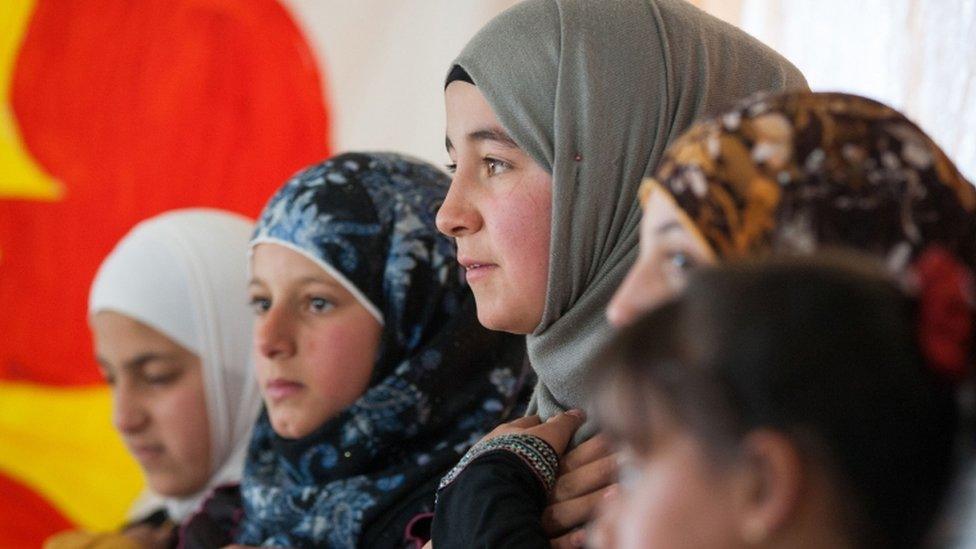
[[279, 389], [475, 270], [147, 454]]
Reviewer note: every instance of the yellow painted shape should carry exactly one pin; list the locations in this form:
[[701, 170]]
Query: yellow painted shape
[[60, 442], [20, 175]]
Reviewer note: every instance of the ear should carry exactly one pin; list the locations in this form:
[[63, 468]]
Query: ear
[[768, 485]]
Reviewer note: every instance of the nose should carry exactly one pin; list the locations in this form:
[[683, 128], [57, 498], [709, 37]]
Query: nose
[[643, 288], [458, 216], [274, 336], [129, 415]]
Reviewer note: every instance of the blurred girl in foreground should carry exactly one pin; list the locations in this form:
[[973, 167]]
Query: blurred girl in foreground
[[789, 404]]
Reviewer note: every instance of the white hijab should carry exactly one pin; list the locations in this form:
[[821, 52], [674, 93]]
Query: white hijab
[[184, 273]]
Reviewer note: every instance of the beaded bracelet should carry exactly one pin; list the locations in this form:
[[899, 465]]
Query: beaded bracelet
[[535, 452]]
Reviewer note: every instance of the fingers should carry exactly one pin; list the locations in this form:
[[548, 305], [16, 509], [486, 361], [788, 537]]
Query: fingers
[[576, 538], [524, 421], [585, 479], [600, 532], [559, 429], [593, 449], [514, 426], [559, 518]]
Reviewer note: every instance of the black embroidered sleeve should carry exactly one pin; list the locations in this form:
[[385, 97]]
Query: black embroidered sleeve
[[496, 495]]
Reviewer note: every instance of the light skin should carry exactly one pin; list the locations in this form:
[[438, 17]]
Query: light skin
[[676, 494], [159, 402], [315, 343], [498, 210], [669, 249]]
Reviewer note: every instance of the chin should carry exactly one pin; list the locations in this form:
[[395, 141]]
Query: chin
[[173, 487], [501, 322], [285, 429]]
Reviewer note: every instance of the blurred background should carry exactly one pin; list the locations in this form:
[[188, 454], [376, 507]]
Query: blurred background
[[114, 110]]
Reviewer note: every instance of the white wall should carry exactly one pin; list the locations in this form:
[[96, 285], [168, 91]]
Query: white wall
[[385, 63], [918, 56]]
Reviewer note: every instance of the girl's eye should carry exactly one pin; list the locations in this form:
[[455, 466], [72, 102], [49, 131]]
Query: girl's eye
[[319, 304], [681, 260], [260, 305], [451, 168], [161, 379], [496, 166]]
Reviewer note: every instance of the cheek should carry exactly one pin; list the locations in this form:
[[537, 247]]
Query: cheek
[[679, 503], [522, 226], [340, 359], [184, 423]]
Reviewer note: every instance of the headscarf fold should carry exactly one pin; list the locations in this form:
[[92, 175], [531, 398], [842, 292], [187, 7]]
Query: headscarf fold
[[441, 380], [595, 91], [796, 172], [184, 274]]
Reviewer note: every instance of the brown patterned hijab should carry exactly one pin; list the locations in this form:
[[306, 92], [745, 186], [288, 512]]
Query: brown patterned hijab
[[799, 171]]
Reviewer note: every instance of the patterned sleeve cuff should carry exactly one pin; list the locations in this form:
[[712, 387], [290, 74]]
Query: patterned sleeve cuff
[[532, 450]]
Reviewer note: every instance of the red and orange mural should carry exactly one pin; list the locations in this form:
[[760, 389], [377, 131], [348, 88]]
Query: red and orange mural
[[110, 112]]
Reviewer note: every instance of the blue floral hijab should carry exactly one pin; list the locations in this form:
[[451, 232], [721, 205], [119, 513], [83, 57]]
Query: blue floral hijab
[[440, 382]]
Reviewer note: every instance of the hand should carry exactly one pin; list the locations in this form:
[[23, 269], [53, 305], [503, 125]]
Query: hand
[[601, 532], [150, 536], [576, 538], [557, 431], [587, 474]]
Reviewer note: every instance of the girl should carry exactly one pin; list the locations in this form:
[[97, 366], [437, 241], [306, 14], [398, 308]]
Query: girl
[[795, 172], [375, 374], [555, 111], [789, 404], [171, 335]]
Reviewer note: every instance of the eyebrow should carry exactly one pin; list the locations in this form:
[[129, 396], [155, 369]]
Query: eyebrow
[[496, 135], [668, 227], [137, 361], [309, 279]]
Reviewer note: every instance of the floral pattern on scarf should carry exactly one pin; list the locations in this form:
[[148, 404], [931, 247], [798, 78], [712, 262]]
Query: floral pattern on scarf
[[798, 171], [441, 380]]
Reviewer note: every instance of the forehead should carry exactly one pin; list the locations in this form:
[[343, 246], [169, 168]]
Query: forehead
[[118, 337], [660, 213], [467, 109], [279, 265], [662, 218], [281, 262]]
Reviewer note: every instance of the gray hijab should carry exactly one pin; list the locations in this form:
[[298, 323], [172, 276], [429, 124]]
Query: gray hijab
[[594, 91]]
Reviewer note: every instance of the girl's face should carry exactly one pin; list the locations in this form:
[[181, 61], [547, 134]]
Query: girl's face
[[669, 249], [159, 402], [671, 496], [498, 209], [315, 344]]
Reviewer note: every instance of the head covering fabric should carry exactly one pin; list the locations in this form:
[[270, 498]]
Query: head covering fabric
[[184, 274], [796, 172], [440, 382], [594, 91]]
